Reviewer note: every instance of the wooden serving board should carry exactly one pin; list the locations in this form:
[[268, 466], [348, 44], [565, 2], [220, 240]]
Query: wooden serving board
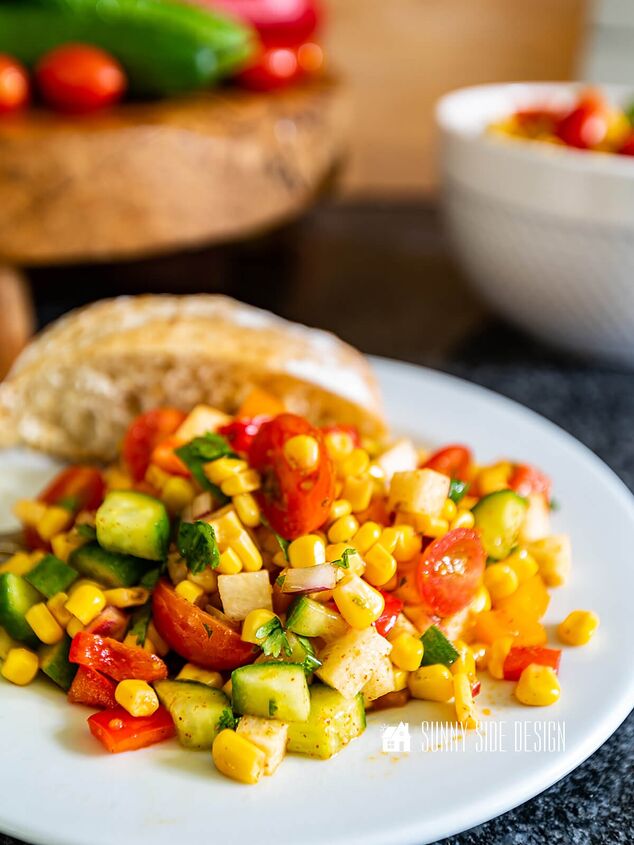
[[147, 178]]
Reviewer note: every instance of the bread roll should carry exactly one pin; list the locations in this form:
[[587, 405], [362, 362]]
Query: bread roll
[[75, 388]]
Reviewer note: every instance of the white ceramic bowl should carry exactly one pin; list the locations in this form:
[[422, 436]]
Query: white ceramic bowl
[[545, 232]]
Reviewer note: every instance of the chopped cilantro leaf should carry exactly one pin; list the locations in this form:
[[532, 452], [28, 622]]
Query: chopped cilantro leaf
[[196, 543], [272, 707], [140, 622], [204, 450], [273, 639], [208, 630], [344, 560], [227, 721]]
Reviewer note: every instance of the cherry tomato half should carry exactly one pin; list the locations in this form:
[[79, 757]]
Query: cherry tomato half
[[526, 479], [144, 434], [454, 461], [240, 433], [387, 620], [294, 502], [76, 488], [79, 78], [450, 570], [14, 85]]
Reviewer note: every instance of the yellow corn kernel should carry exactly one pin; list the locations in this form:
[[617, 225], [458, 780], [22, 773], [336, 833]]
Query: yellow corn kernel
[[230, 563], [20, 666], [389, 538], [133, 641], [149, 645], [498, 652], [74, 627], [392, 584], [523, 564], [117, 479], [339, 444], [29, 511], [18, 564], [358, 602], [432, 526], [358, 491], [176, 567], [309, 550], [339, 508], [6, 644], [500, 580], [302, 452], [190, 672], [480, 652], [380, 565], [400, 679], [44, 625], [191, 592], [538, 686], [246, 482], [126, 596], [224, 468], [468, 503], [207, 579], [37, 556], [343, 529], [578, 627], [86, 602], [409, 544], [65, 543], [53, 522], [56, 604], [356, 463], [279, 559], [160, 646], [463, 519], [495, 477], [407, 652], [226, 525], [463, 700], [481, 600], [157, 477], [177, 493], [137, 697], [238, 758], [431, 683], [449, 510], [355, 562], [228, 688], [253, 622], [553, 556], [366, 537], [81, 582], [248, 552], [247, 509]]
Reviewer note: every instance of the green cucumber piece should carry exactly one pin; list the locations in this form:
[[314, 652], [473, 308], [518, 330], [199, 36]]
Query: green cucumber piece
[[55, 664], [133, 524], [499, 517], [310, 618], [437, 648], [332, 722], [271, 690], [199, 711], [108, 568], [196, 46], [51, 575], [16, 597]]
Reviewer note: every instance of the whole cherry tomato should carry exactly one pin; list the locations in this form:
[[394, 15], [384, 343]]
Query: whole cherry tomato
[[144, 434], [526, 479], [79, 78], [294, 501], [454, 461], [450, 570], [387, 620], [14, 85], [240, 433], [586, 125]]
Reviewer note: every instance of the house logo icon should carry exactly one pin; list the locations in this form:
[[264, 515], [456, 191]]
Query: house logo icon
[[395, 739]]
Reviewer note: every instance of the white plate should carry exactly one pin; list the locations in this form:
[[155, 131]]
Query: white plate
[[60, 788]]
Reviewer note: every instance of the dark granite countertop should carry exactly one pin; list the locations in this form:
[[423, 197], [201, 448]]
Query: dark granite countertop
[[381, 276]]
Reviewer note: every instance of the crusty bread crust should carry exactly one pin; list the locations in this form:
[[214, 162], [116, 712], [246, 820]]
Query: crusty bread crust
[[75, 388]]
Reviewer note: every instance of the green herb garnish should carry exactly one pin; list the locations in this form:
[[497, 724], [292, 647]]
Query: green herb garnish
[[310, 662], [344, 560], [140, 622], [457, 489], [227, 721], [204, 450], [437, 647], [196, 543], [272, 639], [281, 542]]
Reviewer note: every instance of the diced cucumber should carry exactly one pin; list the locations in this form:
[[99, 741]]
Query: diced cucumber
[[332, 722], [310, 618], [271, 690], [108, 568], [55, 664], [51, 575], [437, 648], [132, 523], [302, 652], [499, 517], [199, 711], [16, 597]]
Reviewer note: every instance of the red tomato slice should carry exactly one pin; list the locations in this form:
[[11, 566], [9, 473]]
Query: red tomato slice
[[93, 689], [526, 479], [118, 731], [115, 659], [196, 635], [387, 620], [143, 436], [294, 502], [519, 658], [76, 488], [450, 571], [454, 461], [241, 433]]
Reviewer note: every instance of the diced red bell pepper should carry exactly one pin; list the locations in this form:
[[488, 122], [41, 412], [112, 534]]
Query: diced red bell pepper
[[240, 433], [115, 659], [387, 620], [111, 622], [118, 731], [519, 658], [93, 689]]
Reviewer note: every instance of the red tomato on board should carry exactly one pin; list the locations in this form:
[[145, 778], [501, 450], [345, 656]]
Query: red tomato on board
[[144, 434], [387, 620], [14, 85], [454, 461], [115, 659], [450, 571], [526, 479], [280, 66], [519, 658], [118, 731], [93, 689], [79, 78], [293, 501], [196, 635]]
